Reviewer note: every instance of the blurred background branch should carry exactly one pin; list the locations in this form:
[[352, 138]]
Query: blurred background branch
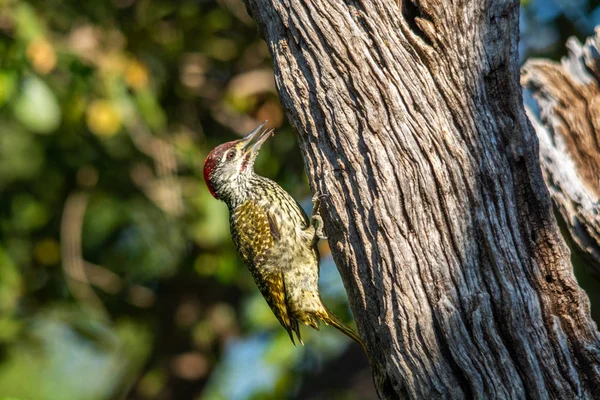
[[72, 258]]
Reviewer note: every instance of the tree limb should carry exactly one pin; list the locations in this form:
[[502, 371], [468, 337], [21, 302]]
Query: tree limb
[[568, 95]]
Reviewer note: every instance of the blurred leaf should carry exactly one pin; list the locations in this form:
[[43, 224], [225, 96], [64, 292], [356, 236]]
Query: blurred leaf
[[21, 156], [221, 49], [10, 285], [218, 19], [37, 107], [136, 74], [151, 383], [8, 84], [41, 55], [224, 267], [282, 351], [28, 213], [151, 110], [241, 104], [142, 243], [103, 118], [28, 24], [257, 312], [105, 215], [47, 251], [212, 226], [10, 328]]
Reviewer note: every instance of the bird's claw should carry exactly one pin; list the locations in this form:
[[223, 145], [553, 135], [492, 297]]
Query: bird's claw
[[317, 199]]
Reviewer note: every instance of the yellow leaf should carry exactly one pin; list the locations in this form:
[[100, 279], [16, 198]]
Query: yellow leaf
[[136, 74], [41, 55], [103, 119], [47, 252]]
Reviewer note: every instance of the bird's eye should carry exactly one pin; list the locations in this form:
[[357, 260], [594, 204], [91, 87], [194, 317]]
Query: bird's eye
[[231, 155]]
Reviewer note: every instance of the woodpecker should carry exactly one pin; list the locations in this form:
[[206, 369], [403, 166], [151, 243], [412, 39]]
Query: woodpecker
[[272, 234]]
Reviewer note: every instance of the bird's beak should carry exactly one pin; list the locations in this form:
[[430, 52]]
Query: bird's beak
[[255, 139]]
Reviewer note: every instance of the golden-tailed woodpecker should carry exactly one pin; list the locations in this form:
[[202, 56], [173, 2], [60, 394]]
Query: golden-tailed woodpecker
[[272, 234]]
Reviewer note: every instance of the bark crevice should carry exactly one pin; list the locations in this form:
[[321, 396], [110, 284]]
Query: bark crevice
[[415, 18]]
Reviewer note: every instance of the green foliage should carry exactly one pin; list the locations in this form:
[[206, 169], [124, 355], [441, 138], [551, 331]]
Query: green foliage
[[68, 356], [117, 272], [36, 107]]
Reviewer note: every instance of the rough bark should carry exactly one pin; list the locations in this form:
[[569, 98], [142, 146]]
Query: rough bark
[[568, 96], [410, 117]]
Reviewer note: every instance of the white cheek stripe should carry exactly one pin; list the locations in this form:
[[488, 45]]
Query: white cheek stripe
[[225, 156]]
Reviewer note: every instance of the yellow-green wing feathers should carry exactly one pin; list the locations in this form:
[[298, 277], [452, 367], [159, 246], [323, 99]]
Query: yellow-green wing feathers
[[255, 232], [251, 232]]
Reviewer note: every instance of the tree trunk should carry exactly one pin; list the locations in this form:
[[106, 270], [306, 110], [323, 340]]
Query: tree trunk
[[410, 118], [568, 95]]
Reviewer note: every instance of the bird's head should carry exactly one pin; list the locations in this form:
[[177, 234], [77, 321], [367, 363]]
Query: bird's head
[[228, 166]]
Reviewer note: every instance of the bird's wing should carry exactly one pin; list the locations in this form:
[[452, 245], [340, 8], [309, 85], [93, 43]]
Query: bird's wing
[[255, 232]]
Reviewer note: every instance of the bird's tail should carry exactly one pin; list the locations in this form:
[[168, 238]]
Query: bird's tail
[[331, 319]]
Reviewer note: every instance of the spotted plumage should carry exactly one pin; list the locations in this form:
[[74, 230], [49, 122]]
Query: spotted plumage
[[272, 234]]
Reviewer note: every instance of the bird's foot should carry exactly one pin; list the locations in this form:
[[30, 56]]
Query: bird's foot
[[315, 217]]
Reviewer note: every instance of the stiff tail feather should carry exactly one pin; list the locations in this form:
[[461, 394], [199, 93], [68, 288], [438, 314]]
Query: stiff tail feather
[[331, 319], [294, 328]]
